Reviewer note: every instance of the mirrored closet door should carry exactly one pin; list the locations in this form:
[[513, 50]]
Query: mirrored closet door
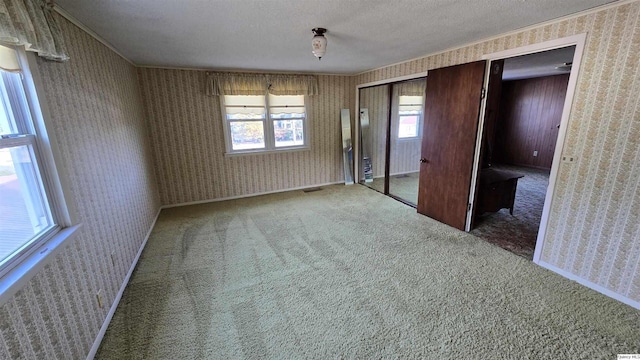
[[391, 125]]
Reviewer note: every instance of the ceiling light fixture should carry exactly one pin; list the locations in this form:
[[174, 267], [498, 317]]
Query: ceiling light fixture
[[565, 66], [319, 42]]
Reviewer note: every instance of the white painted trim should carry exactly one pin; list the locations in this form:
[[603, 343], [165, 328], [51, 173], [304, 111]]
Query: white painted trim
[[249, 195], [404, 172], [537, 47], [22, 273], [116, 301], [268, 127], [398, 173], [26, 264], [246, 71], [270, 151], [55, 174], [591, 285], [513, 32], [393, 80], [478, 149], [92, 33], [579, 41], [562, 134]]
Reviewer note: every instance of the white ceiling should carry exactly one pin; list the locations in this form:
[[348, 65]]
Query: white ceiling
[[275, 35], [538, 64]]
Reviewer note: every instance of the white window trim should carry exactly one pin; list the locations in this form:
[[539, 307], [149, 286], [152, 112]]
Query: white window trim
[[52, 162], [418, 130], [44, 250], [269, 141], [419, 124]]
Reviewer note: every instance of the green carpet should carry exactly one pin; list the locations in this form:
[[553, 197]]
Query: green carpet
[[404, 186], [349, 273]]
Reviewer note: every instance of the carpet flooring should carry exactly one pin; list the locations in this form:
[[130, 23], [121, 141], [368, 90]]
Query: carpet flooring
[[404, 186], [518, 232], [346, 272]]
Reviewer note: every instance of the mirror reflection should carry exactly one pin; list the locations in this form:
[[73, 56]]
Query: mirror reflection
[[391, 124]]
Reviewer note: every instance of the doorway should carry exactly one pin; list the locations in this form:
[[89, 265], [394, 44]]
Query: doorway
[[524, 111], [472, 182], [520, 142]]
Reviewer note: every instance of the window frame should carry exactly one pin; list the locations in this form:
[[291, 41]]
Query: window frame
[[419, 123], [268, 126], [37, 252], [30, 142]]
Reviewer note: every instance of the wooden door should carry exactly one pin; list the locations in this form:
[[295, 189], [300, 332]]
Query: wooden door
[[452, 106]]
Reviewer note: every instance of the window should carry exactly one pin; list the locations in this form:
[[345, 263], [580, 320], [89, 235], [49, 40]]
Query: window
[[409, 116], [26, 217], [256, 123]]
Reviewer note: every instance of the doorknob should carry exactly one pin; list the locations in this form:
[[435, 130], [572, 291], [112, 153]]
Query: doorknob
[[423, 160]]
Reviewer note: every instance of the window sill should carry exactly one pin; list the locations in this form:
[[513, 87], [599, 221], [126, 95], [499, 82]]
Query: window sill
[[417, 138], [260, 152], [20, 275]]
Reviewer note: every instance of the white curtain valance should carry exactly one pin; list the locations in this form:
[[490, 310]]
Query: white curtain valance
[[235, 84], [292, 84], [9, 59], [260, 84], [31, 23], [412, 88]]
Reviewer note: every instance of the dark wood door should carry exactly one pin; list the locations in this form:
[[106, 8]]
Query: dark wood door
[[452, 106]]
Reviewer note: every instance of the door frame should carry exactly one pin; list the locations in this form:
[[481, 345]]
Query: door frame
[[579, 41], [356, 134]]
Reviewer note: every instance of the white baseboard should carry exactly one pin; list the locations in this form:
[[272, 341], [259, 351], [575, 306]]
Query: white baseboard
[[405, 172], [397, 173], [248, 195], [591, 285], [116, 301]]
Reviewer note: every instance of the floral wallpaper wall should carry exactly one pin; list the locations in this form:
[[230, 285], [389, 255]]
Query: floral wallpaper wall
[[594, 227], [133, 139], [98, 121], [189, 149]]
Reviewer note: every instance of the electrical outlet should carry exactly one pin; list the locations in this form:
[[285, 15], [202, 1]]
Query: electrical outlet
[[568, 159], [99, 299], [535, 152]]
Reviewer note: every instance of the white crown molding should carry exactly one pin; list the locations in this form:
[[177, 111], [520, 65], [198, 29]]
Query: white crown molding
[[513, 32], [246, 71], [92, 33], [596, 9]]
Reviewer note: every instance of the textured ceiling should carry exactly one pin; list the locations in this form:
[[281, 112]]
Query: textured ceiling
[[538, 64], [275, 35]]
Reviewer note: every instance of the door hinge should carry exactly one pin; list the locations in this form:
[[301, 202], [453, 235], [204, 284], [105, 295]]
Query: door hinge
[[483, 93], [469, 207]]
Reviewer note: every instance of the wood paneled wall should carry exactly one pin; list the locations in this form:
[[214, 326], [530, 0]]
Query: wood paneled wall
[[529, 119]]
